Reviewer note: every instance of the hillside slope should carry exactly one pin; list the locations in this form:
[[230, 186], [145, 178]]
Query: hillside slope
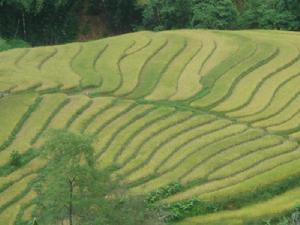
[[218, 111]]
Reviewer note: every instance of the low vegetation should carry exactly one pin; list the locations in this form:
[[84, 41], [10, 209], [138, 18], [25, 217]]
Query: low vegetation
[[6, 45]]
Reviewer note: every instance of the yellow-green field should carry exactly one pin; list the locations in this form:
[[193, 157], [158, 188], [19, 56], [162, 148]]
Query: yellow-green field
[[218, 111]]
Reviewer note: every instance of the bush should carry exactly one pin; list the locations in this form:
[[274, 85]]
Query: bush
[[15, 159], [164, 192], [10, 44]]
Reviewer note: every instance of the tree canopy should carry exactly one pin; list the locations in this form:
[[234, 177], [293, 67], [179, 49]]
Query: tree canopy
[[72, 191], [59, 21], [33, 6], [221, 14]]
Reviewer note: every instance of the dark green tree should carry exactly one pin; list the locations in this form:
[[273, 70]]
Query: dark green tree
[[214, 14], [33, 6], [274, 14], [69, 187], [39, 21], [71, 190], [167, 14], [121, 15]]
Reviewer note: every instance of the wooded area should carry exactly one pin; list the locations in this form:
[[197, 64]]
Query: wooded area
[[59, 21]]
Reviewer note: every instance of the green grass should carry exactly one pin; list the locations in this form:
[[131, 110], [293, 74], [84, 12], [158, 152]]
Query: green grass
[[267, 209], [223, 84], [264, 174], [12, 108], [266, 98], [237, 148], [173, 165], [169, 80], [251, 159], [116, 127], [107, 115], [62, 64], [266, 91], [118, 145], [215, 50], [132, 146], [295, 136], [249, 84], [283, 97], [85, 61], [86, 118], [15, 190], [9, 215], [132, 65], [154, 140], [206, 153], [29, 168], [217, 111], [157, 65], [31, 65], [32, 126], [74, 104], [177, 142], [108, 65]]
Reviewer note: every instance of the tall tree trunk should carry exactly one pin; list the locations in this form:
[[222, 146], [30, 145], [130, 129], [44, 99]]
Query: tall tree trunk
[[24, 24], [71, 203], [17, 29]]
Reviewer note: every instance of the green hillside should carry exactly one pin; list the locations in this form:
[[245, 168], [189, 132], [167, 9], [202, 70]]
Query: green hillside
[[217, 111]]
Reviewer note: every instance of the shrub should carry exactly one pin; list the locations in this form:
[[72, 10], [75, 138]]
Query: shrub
[[164, 192], [10, 44], [15, 159]]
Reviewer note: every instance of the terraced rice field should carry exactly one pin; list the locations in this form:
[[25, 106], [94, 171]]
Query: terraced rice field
[[218, 111]]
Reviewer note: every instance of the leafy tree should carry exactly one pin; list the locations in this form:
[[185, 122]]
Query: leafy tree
[[34, 6], [39, 21], [240, 4], [275, 14], [121, 15], [167, 14], [216, 14], [131, 211], [68, 187], [71, 190], [222, 14], [58, 21]]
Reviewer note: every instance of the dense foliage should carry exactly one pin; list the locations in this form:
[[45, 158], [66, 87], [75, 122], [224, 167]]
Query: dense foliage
[[167, 14], [120, 15], [222, 14], [9, 44], [70, 188], [58, 21], [214, 15], [39, 22]]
